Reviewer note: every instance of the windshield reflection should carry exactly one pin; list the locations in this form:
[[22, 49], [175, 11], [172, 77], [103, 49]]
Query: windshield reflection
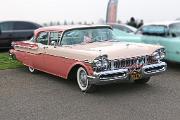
[[83, 36]]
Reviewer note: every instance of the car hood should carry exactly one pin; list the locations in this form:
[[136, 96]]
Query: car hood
[[117, 50]]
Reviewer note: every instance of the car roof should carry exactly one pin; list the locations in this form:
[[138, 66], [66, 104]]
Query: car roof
[[63, 28], [166, 23], [124, 25], [38, 25]]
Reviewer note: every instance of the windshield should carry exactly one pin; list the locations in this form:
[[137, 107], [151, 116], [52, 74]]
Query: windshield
[[175, 29], [88, 35]]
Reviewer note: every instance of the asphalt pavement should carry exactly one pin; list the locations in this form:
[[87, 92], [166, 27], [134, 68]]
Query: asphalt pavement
[[26, 96]]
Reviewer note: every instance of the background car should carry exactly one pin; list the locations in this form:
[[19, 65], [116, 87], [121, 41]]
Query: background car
[[15, 31], [166, 34]]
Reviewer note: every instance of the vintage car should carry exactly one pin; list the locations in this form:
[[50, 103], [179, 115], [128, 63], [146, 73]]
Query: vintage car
[[166, 34], [90, 55]]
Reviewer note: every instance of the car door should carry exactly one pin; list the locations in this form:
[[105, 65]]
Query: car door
[[171, 45], [23, 30], [6, 34], [172, 42], [54, 62], [35, 51]]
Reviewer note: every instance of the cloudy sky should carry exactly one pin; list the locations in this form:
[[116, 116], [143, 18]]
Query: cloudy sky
[[87, 10]]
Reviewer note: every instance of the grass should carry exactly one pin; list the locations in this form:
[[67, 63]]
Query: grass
[[7, 62]]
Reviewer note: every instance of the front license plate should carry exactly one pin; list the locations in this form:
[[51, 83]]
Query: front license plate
[[135, 75]]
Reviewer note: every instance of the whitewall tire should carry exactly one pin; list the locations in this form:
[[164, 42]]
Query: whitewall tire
[[82, 80], [31, 69]]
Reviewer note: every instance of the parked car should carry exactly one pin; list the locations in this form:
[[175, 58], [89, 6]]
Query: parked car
[[15, 31], [166, 34], [90, 55], [123, 27]]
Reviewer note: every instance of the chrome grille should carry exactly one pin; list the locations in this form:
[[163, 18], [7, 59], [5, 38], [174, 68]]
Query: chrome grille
[[124, 63]]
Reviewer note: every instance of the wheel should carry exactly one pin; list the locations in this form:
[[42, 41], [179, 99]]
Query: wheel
[[31, 69], [142, 81], [82, 81]]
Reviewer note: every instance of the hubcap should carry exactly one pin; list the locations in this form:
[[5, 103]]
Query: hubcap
[[31, 69], [82, 79]]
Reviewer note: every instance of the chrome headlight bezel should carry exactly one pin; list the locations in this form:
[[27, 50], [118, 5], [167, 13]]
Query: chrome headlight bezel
[[101, 62], [159, 54]]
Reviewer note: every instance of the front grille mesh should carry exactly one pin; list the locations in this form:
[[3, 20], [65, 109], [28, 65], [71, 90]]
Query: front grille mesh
[[127, 63]]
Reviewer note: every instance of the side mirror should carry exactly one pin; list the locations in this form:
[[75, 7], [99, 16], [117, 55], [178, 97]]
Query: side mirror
[[54, 43]]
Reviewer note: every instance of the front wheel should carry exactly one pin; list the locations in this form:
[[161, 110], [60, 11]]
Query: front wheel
[[142, 81], [83, 82]]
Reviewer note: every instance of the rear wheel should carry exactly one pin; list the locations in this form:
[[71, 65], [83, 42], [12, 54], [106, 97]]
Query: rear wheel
[[142, 81], [83, 82], [31, 69]]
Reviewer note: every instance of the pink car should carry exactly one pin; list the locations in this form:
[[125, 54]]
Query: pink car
[[90, 55]]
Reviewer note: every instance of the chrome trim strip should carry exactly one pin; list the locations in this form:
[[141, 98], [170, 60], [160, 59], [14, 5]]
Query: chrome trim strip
[[111, 72]]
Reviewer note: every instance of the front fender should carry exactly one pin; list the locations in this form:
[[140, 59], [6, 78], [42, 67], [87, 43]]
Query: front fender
[[87, 66]]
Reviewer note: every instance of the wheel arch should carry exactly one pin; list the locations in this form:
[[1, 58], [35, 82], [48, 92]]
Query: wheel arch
[[74, 68]]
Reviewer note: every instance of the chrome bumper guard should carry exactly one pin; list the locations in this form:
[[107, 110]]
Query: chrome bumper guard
[[123, 74]]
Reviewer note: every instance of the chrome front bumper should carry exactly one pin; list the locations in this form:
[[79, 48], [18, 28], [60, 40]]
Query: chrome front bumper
[[112, 76]]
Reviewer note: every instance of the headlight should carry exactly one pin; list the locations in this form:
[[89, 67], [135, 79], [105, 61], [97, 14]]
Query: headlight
[[156, 55], [159, 54], [101, 62], [97, 63]]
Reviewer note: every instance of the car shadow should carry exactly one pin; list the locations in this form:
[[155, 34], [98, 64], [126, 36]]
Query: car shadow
[[173, 65], [4, 50], [123, 87]]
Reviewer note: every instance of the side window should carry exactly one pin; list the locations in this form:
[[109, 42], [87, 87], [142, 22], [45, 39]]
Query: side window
[[54, 37], [32, 39], [24, 26], [43, 38], [6, 26], [174, 30], [155, 30], [72, 37]]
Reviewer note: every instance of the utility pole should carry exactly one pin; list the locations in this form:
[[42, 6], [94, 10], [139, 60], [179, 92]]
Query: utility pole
[[111, 14]]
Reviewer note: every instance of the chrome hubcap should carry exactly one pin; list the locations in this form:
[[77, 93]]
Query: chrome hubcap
[[31, 69], [83, 78]]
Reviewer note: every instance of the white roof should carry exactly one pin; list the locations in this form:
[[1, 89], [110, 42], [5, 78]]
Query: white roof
[[166, 23]]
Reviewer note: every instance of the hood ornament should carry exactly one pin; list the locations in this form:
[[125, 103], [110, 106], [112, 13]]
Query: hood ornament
[[100, 52], [127, 44]]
